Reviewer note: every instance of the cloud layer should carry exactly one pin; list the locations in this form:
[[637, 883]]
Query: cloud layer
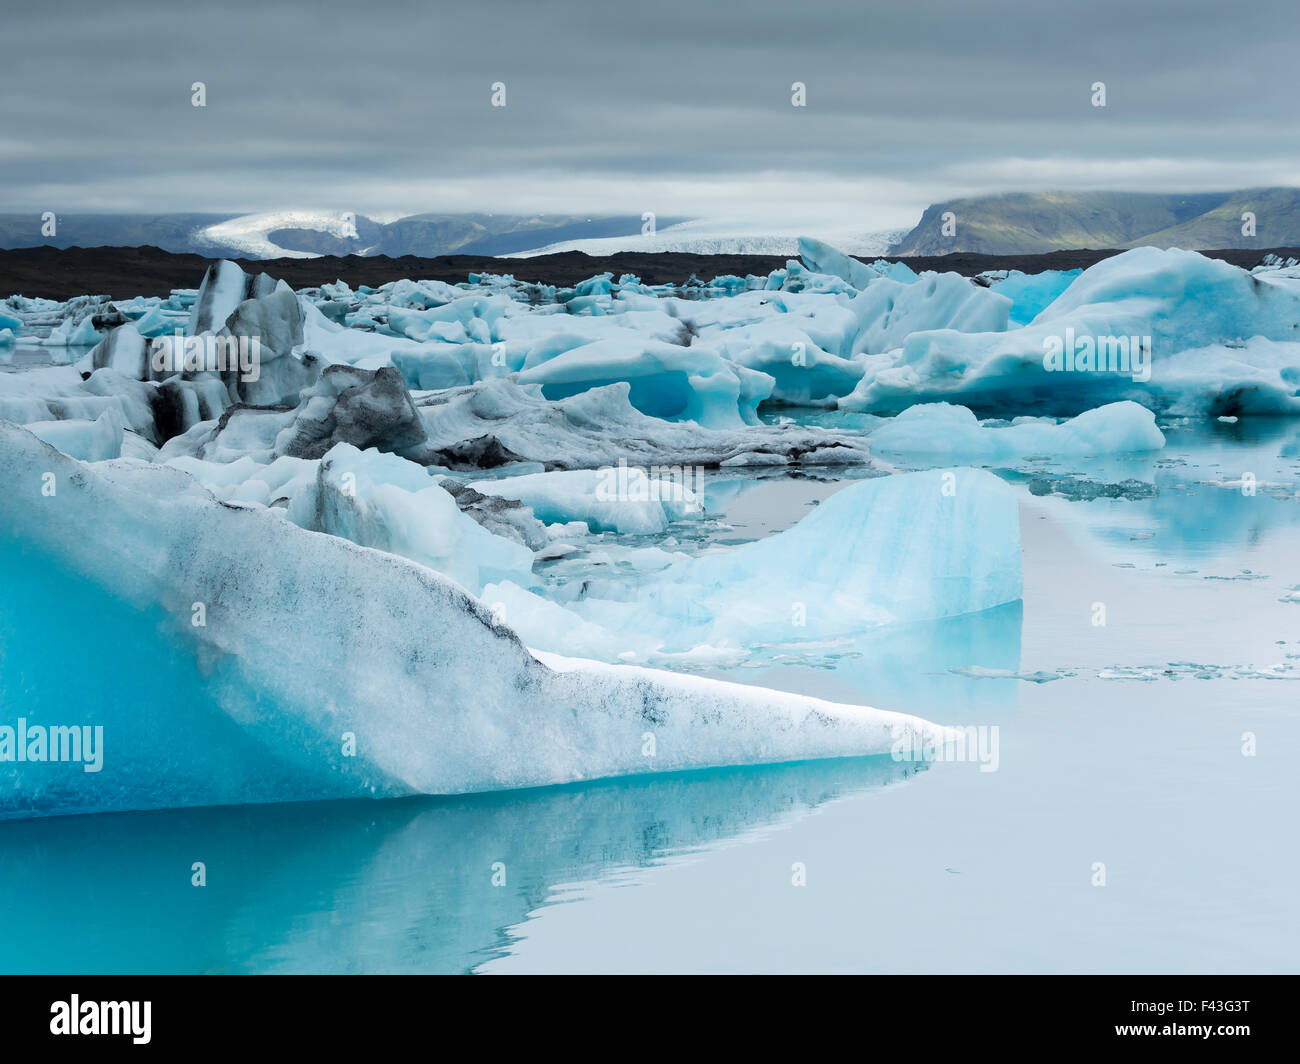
[[676, 107]]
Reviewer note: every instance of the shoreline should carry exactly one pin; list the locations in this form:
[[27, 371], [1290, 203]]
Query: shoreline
[[123, 272]]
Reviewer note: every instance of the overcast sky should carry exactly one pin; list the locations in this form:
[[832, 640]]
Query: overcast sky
[[681, 107]]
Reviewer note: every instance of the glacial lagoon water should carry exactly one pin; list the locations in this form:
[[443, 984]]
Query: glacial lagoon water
[[1161, 745]]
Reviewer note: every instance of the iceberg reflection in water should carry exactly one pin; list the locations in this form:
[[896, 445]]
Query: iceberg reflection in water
[[405, 885]]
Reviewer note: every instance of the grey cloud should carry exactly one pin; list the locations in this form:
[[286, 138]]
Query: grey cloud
[[394, 97]]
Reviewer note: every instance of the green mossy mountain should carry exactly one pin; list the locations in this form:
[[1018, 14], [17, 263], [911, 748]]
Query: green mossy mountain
[[1018, 223]]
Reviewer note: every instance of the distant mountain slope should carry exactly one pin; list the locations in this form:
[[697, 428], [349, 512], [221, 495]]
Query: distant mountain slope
[[1277, 221], [709, 237], [309, 233], [171, 232], [1019, 223]]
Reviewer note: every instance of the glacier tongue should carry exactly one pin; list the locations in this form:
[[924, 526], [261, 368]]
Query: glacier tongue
[[230, 656]]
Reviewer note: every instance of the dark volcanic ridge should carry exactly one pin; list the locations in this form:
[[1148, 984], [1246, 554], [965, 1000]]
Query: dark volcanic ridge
[[123, 272]]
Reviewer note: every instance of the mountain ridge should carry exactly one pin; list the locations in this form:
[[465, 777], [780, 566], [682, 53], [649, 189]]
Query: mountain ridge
[[311, 233], [1020, 223]]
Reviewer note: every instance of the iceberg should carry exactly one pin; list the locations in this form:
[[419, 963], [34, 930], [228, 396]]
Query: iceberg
[[820, 257], [888, 312], [1032, 293], [882, 552], [613, 499], [890, 550], [495, 423], [1214, 337], [366, 408], [803, 373], [90, 441], [664, 380], [237, 658], [223, 288], [950, 432], [383, 501]]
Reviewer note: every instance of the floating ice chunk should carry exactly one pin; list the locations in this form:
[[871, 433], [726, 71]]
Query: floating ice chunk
[[1258, 377], [532, 338], [375, 500], [888, 312], [90, 441], [224, 287], [444, 365], [502, 517], [335, 343], [917, 546], [822, 258], [274, 323], [611, 499], [954, 433], [157, 322], [57, 393], [286, 481], [1032, 293], [892, 550], [312, 648], [498, 422], [383, 501], [44, 394], [73, 333], [124, 350], [355, 406], [980, 672], [468, 316], [1205, 327], [665, 381], [803, 372], [366, 408]]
